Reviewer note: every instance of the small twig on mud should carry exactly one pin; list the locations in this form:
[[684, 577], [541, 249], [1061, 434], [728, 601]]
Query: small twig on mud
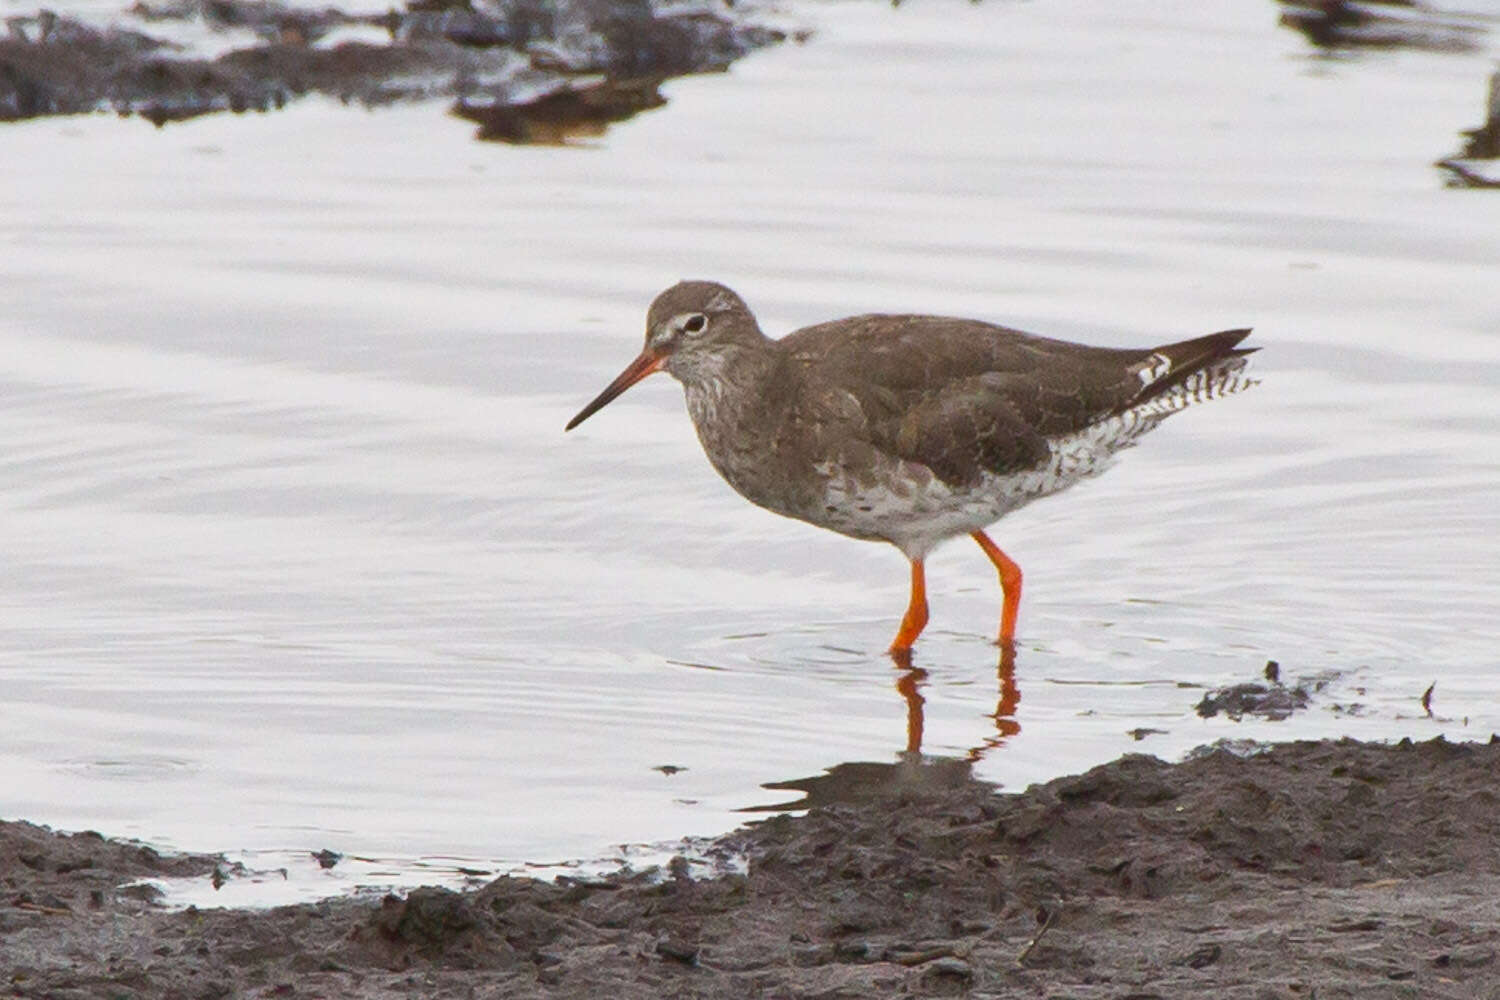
[[54, 911], [1049, 919], [922, 957]]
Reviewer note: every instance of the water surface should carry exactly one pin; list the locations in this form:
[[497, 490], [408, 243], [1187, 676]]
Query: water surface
[[297, 556]]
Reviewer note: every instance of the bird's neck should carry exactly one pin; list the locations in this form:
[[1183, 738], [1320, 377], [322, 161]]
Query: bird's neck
[[730, 392], [741, 411]]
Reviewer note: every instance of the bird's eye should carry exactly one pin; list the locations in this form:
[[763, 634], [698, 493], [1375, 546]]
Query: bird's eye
[[695, 323]]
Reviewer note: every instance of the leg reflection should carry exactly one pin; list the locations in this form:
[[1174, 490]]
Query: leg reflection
[[1006, 725], [909, 684]]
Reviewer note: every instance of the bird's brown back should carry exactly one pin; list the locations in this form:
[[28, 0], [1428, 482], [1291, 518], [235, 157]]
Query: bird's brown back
[[967, 398]]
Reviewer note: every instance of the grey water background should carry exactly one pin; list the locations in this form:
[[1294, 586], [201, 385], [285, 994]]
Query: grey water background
[[296, 556]]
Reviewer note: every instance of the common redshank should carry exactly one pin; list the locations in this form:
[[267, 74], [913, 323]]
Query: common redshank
[[912, 429]]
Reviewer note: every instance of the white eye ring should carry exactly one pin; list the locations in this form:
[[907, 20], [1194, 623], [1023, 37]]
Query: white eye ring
[[694, 323]]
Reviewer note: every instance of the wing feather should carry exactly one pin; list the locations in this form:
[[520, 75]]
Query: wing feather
[[967, 398]]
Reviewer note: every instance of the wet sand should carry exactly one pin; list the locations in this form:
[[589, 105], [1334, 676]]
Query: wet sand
[[1312, 869]]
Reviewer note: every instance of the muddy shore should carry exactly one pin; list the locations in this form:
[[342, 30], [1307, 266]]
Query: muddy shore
[[523, 71], [1301, 870]]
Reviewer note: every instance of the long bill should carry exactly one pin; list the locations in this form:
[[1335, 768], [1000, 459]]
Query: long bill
[[644, 365]]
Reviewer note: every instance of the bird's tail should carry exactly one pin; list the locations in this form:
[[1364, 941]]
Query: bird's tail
[[1176, 376]]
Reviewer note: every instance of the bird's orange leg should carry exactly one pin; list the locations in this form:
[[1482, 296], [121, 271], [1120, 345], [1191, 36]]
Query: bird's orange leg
[[916, 611], [1010, 584]]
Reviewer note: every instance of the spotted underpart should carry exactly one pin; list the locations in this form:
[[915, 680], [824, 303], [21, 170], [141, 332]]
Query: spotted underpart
[[927, 510], [915, 429]]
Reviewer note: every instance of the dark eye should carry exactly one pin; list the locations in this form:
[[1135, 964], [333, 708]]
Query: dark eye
[[695, 323]]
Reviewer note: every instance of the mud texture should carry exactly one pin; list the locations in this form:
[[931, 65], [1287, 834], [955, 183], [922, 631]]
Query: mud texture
[[1305, 870], [527, 70]]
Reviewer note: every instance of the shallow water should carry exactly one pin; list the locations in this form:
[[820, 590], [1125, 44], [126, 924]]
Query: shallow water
[[297, 555]]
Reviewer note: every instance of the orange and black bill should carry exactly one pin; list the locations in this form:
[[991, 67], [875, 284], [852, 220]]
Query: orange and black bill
[[644, 365]]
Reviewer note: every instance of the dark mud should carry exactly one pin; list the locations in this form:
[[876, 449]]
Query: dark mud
[[1307, 870], [1273, 700], [527, 70]]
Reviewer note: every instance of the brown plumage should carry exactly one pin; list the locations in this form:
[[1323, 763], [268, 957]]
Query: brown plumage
[[912, 429]]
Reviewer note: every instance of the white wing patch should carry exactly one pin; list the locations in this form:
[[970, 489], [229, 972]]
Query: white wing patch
[[1154, 368]]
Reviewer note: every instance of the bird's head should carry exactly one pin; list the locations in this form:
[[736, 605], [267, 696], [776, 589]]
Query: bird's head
[[693, 330]]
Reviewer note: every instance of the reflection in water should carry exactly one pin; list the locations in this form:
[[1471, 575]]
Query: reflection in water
[[1006, 726], [859, 781], [1482, 143], [862, 781], [564, 115], [1343, 24]]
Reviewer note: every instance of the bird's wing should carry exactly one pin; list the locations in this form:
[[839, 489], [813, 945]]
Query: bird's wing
[[963, 429], [962, 398], [965, 397]]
